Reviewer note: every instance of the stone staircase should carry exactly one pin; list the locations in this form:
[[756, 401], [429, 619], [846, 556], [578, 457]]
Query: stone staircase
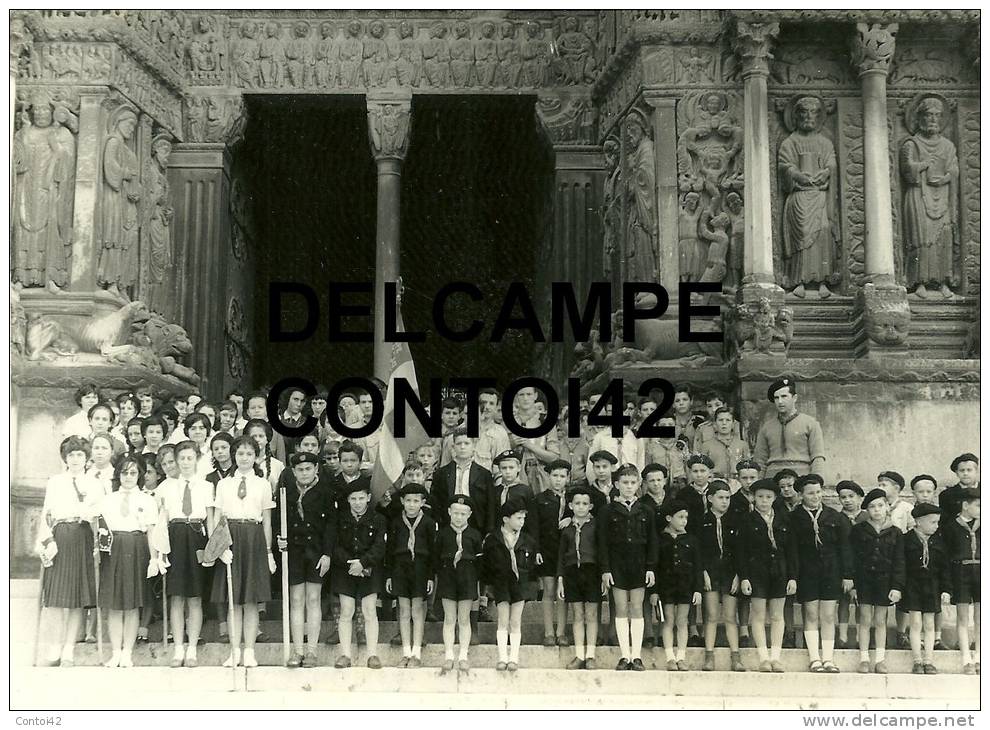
[[825, 328], [940, 327]]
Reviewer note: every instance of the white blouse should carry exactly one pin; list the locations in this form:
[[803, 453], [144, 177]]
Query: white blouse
[[253, 506], [62, 501], [141, 511], [171, 491]]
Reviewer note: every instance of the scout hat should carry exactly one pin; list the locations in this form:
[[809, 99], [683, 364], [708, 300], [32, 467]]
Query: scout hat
[[672, 508], [413, 488], [603, 454], [461, 499], [892, 476], [700, 459], [358, 485], [850, 485], [557, 464], [778, 384], [963, 457], [505, 455], [747, 464], [923, 477], [304, 458], [808, 479], [872, 496], [512, 506], [924, 508], [768, 485]]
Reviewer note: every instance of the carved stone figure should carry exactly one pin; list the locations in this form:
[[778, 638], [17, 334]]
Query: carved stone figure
[[930, 172], [509, 58], [409, 60], [327, 59], [121, 192], [691, 250], [658, 340], [376, 56], [714, 230], [436, 56], [44, 165], [576, 60], [755, 328], [886, 315], [486, 55], [734, 263], [271, 56], [351, 55], [388, 126], [157, 230], [461, 55], [708, 150], [535, 54], [695, 68], [207, 53], [611, 204], [214, 118], [569, 120], [806, 167], [641, 220], [299, 54], [245, 56]]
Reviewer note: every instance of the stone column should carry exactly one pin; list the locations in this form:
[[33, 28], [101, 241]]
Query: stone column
[[752, 42], [883, 305], [665, 151], [388, 130]]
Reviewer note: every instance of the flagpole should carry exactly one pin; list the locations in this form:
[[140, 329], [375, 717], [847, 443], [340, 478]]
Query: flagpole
[[164, 612], [96, 571], [230, 606], [284, 534]]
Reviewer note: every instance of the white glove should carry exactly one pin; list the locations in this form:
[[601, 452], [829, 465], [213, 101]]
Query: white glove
[[227, 557], [152, 568], [271, 563], [49, 552]]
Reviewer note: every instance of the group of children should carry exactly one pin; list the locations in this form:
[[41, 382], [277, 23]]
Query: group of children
[[648, 548]]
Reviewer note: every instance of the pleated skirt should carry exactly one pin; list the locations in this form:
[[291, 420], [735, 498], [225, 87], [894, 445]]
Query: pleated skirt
[[186, 577], [123, 573], [249, 570], [70, 582]]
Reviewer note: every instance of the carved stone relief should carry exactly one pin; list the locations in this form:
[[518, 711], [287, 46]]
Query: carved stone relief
[[802, 65], [206, 55], [215, 118], [567, 120], [970, 147]]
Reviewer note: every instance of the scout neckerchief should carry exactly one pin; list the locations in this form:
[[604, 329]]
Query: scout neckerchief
[[411, 526], [814, 515], [577, 535], [718, 533], [79, 495], [768, 518], [628, 504], [458, 535], [924, 548], [560, 506], [511, 538], [783, 421], [303, 491], [971, 528]]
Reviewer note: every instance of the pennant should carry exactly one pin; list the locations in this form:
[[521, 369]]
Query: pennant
[[160, 541], [219, 541], [104, 537]]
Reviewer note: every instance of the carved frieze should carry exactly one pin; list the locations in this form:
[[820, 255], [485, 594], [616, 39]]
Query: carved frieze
[[206, 53], [873, 46], [803, 65], [70, 62], [970, 149], [388, 127], [853, 210], [147, 93], [215, 118], [567, 119]]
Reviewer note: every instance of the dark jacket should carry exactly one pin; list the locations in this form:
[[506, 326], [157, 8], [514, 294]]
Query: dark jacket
[[937, 572], [339, 483], [950, 500], [397, 542], [598, 498], [624, 532], [567, 551], [315, 531], [756, 552], [957, 541], [497, 565], [679, 562], [878, 557], [548, 514], [834, 555], [481, 489], [696, 504], [712, 560], [445, 548], [520, 493], [362, 539]]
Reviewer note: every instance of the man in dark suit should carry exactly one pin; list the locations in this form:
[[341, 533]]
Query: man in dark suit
[[463, 475]]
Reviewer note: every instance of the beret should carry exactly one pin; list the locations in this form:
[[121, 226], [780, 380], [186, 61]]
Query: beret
[[576, 490], [892, 476], [462, 499], [768, 485], [717, 485], [506, 455], [784, 473], [924, 508], [358, 485], [778, 384], [511, 507], [968, 495], [602, 454], [413, 488], [747, 464], [673, 507], [700, 459], [809, 479], [923, 477], [872, 496], [557, 464], [650, 468], [850, 485], [304, 457], [963, 457]]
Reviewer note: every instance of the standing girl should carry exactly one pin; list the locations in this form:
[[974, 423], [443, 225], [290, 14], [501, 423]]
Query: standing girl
[[199, 427], [66, 546], [245, 499], [187, 504], [266, 465], [130, 514]]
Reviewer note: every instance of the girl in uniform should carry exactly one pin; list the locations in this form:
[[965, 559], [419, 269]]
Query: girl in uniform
[[878, 559], [221, 458], [680, 586], [266, 466], [245, 499], [199, 428], [130, 514], [100, 468], [66, 546], [456, 557], [187, 504]]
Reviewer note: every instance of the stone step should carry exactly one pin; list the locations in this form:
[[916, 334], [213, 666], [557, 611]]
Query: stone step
[[534, 657]]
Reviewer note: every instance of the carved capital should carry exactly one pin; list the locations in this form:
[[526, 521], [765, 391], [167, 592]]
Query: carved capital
[[873, 47], [388, 125], [215, 118], [752, 43], [886, 316], [760, 323]]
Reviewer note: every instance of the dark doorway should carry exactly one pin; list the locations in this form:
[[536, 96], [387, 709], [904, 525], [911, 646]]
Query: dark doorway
[[475, 187]]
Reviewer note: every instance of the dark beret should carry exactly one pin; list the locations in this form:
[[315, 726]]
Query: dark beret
[[850, 485], [304, 458], [923, 477], [557, 464], [808, 479], [778, 384], [462, 499], [717, 485], [784, 473], [892, 476], [747, 464], [358, 485], [924, 508], [700, 459], [413, 488], [872, 496], [505, 456], [768, 485], [602, 454], [511, 507], [576, 490], [650, 468], [672, 508], [963, 457]]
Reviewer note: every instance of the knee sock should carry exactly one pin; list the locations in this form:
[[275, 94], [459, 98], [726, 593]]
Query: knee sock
[[671, 654], [828, 649], [515, 639], [775, 653], [762, 653], [811, 641], [622, 631], [502, 639], [636, 626]]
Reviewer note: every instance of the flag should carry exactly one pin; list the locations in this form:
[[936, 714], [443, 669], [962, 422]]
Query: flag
[[219, 541], [159, 538], [392, 450]]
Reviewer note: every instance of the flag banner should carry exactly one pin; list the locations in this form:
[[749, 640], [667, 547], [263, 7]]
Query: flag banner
[[159, 538], [219, 541]]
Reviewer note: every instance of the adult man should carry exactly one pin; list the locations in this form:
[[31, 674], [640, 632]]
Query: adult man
[[535, 451], [791, 440]]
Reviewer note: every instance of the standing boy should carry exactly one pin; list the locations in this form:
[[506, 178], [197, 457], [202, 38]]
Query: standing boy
[[579, 577]]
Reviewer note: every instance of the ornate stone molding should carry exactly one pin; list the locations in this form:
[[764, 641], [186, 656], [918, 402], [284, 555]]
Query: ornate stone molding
[[215, 117], [752, 43], [864, 16], [567, 120], [840, 370], [388, 126], [20, 44], [873, 47]]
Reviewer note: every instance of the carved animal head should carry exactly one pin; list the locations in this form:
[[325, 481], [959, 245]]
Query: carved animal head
[[888, 327], [166, 340]]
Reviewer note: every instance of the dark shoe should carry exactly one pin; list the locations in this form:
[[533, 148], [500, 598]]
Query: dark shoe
[[736, 661], [939, 646], [549, 641], [310, 661], [483, 614], [840, 644], [637, 665], [575, 663], [403, 662], [343, 662], [141, 639], [649, 642], [880, 668], [415, 662], [374, 662], [463, 666], [709, 663], [623, 665], [930, 669], [295, 661], [448, 665], [590, 663], [499, 667], [696, 641], [512, 667], [396, 640], [790, 640], [917, 668]]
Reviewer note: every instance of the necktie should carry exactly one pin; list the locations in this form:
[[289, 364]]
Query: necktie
[[577, 539], [458, 532], [505, 495], [768, 518], [79, 495], [411, 542], [242, 488], [511, 538], [186, 500], [814, 523], [718, 535], [125, 505]]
